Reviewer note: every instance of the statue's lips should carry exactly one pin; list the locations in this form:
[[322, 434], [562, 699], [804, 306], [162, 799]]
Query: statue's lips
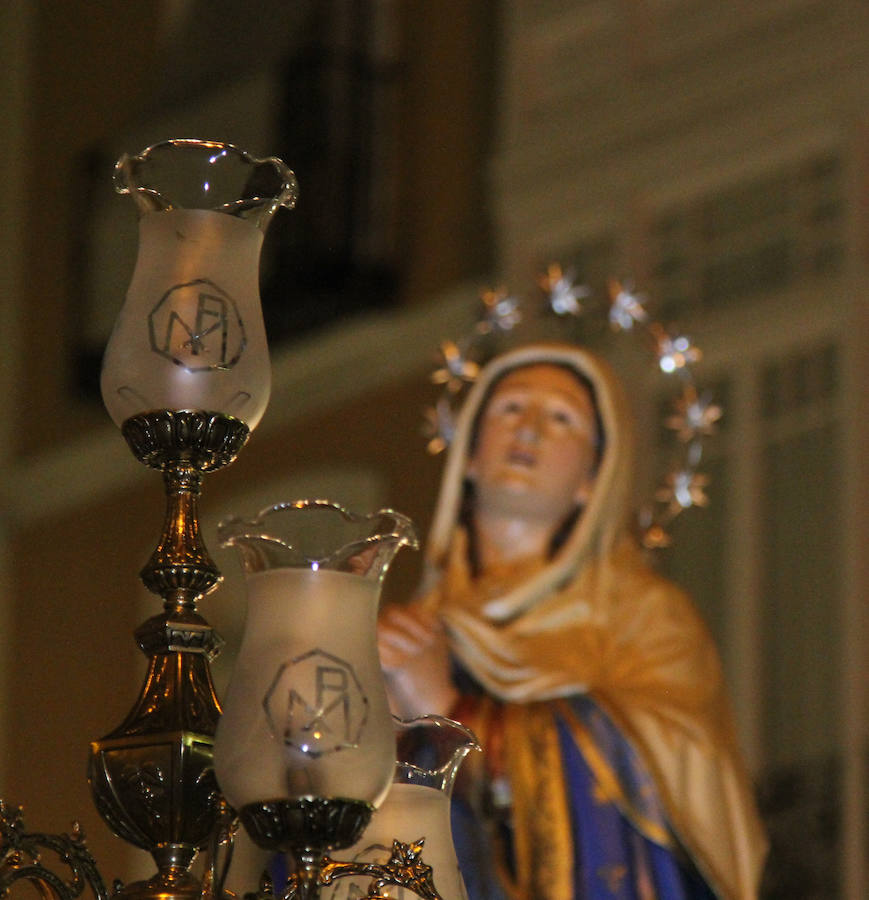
[[522, 458]]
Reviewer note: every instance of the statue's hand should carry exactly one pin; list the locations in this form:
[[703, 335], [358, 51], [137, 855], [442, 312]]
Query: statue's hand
[[415, 660]]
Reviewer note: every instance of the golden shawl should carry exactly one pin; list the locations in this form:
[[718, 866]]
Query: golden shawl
[[597, 620]]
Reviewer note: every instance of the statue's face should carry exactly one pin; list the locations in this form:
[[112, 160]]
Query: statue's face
[[535, 453]]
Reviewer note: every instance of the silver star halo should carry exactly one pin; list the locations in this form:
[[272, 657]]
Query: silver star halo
[[693, 417]]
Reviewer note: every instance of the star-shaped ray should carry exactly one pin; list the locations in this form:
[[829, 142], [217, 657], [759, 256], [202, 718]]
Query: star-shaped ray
[[626, 307], [694, 415], [439, 426], [682, 490], [456, 369], [501, 311], [675, 352], [563, 295]]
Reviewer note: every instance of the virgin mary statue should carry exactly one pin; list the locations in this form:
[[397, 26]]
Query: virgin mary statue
[[611, 767]]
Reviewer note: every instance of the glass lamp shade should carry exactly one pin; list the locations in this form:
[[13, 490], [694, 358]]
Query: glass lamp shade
[[429, 752], [190, 335], [306, 714]]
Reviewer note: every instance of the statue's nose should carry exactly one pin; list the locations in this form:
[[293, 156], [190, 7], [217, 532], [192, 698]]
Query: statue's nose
[[530, 425]]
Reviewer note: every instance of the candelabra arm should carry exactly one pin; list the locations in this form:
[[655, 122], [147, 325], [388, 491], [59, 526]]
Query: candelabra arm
[[219, 856], [405, 869], [21, 860], [314, 870]]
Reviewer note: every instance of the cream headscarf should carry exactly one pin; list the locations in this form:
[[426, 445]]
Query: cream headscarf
[[603, 520], [595, 619]]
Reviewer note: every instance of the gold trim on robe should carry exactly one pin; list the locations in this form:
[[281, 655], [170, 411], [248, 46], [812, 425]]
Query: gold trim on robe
[[541, 819]]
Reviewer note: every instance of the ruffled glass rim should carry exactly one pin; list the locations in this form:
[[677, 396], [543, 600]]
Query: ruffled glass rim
[[318, 534], [211, 175]]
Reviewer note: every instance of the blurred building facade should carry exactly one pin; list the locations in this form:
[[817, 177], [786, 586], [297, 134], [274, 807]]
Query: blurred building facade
[[718, 155]]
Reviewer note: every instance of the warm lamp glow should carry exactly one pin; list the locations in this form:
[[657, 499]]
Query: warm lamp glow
[[191, 333], [306, 713]]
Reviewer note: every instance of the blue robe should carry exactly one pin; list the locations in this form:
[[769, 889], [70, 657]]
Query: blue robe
[[622, 846]]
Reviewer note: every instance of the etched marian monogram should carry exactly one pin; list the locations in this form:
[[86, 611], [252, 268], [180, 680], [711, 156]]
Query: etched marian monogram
[[197, 326], [316, 704]]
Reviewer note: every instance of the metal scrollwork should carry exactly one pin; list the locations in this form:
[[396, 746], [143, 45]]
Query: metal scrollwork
[[21, 860], [405, 869]]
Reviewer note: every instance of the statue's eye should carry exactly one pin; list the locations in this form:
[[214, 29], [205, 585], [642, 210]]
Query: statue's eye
[[509, 406]]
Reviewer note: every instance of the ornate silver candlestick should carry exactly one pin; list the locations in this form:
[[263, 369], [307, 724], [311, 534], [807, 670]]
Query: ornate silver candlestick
[[186, 377]]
